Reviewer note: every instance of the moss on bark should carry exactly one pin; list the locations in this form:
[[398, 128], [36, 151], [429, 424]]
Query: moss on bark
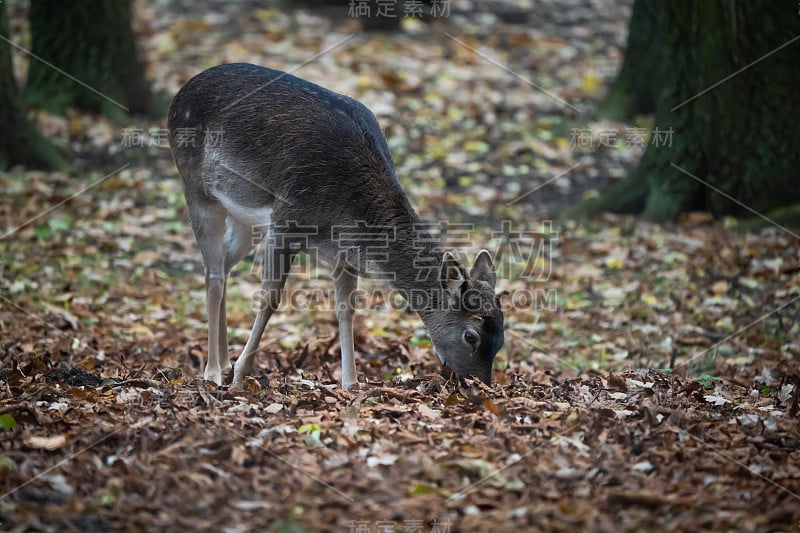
[[93, 42], [725, 88], [20, 143]]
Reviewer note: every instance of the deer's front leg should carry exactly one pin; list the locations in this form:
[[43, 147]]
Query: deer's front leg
[[346, 284], [224, 357], [277, 262]]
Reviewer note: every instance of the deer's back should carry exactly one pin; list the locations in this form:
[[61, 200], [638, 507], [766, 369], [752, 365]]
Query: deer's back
[[266, 138]]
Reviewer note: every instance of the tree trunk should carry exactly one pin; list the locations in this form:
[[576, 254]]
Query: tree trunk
[[634, 92], [92, 41], [722, 76], [20, 143]]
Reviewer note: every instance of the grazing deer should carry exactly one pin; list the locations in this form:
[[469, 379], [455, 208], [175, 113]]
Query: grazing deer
[[286, 154]]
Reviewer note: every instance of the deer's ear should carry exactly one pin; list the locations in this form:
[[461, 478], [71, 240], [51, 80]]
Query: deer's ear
[[452, 276], [483, 269]]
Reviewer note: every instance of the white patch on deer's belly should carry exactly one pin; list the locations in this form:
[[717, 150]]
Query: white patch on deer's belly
[[250, 216]]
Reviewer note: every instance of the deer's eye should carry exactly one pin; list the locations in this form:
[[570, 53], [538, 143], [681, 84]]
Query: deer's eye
[[471, 337]]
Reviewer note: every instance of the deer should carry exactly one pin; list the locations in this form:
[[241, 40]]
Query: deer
[[287, 153]]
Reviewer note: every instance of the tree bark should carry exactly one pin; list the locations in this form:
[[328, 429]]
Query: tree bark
[[634, 90], [20, 143], [722, 76], [92, 41]]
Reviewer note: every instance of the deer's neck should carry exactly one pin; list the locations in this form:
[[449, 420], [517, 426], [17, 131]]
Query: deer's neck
[[413, 263]]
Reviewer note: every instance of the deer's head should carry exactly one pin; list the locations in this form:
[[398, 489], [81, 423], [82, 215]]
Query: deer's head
[[466, 326]]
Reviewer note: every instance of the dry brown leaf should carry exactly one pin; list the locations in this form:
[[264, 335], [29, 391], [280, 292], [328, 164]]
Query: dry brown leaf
[[53, 442]]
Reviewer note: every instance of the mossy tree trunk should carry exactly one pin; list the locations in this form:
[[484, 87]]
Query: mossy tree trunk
[[20, 143], [633, 91], [723, 77], [92, 41]]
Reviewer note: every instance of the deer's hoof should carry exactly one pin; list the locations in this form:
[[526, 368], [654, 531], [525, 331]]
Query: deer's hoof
[[213, 375], [352, 386]]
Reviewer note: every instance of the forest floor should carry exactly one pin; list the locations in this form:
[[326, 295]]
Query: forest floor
[[650, 375]]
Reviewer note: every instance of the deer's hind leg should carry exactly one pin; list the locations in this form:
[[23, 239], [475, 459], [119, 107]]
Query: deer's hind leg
[[278, 258], [238, 242], [208, 223]]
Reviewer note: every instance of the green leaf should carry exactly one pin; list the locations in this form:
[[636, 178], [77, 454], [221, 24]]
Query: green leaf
[[7, 422], [42, 233], [706, 380], [7, 463], [416, 341], [58, 224], [478, 466], [313, 433], [312, 439], [308, 428], [515, 484], [480, 147], [422, 489], [380, 332]]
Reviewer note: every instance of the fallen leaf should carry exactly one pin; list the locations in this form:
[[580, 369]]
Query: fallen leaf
[[492, 407], [716, 400], [427, 412], [53, 442], [274, 408]]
